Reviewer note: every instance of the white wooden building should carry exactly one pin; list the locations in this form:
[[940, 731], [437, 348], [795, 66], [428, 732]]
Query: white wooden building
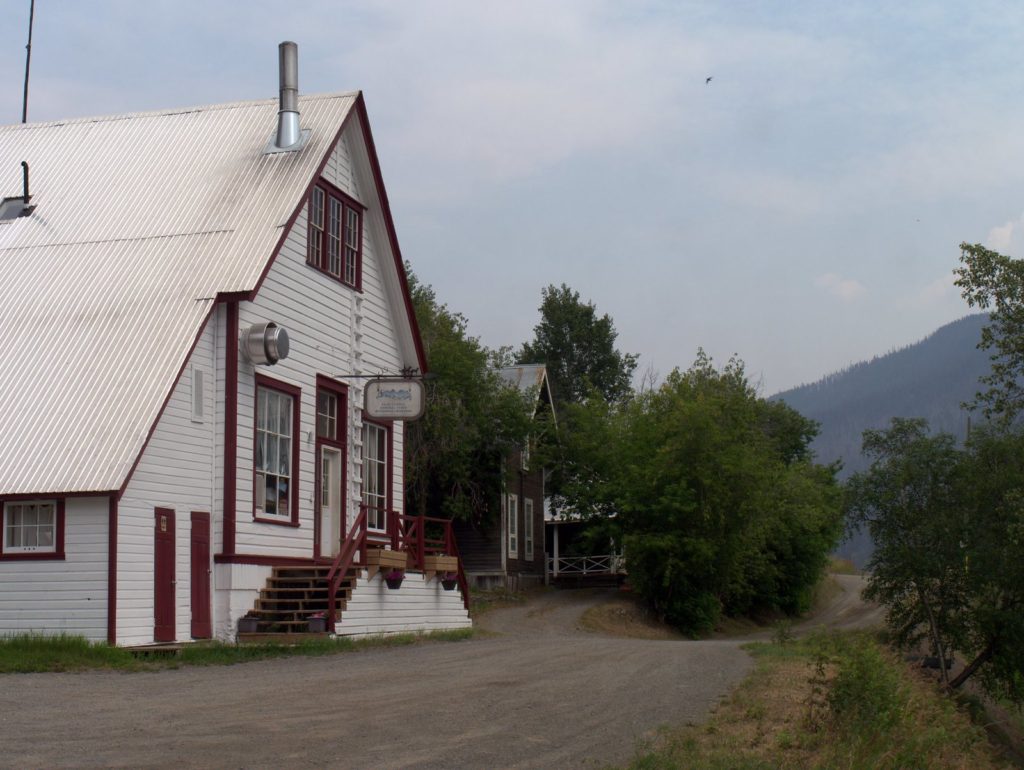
[[155, 466]]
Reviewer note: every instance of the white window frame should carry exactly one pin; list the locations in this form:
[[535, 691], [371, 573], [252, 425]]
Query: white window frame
[[524, 457], [528, 527], [513, 526], [9, 528], [375, 500], [273, 433]]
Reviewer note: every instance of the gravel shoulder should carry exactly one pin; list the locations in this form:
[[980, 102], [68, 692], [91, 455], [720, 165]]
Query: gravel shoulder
[[535, 692]]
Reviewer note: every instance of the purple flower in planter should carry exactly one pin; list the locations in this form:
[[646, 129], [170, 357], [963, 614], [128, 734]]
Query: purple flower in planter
[[394, 578]]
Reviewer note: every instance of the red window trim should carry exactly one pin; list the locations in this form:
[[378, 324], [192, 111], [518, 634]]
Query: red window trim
[[57, 554], [389, 502], [348, 203], [262, 381], [340, 441]]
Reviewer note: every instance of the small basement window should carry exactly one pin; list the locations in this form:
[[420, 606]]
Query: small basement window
[[12, 208]]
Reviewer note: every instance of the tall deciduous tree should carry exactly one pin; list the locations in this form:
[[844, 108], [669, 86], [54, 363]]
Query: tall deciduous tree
[[716, 502], [994, 282], [948, 526], [911, 503], [472, 420], [578, 347]]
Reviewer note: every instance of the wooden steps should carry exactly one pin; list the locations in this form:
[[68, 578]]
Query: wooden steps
[[290, 597]]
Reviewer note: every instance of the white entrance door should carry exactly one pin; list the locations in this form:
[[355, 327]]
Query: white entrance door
[[330, 501]]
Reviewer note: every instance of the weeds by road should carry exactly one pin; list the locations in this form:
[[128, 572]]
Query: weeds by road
[[838, 700], [29, 653]]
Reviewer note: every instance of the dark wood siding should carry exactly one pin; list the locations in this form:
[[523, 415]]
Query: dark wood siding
[[528, 485], [480, 551]]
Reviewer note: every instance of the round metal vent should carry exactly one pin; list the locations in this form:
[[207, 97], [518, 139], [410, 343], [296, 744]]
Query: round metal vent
[[265, 343]]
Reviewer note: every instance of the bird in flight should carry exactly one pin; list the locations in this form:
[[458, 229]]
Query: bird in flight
[[708, 80]]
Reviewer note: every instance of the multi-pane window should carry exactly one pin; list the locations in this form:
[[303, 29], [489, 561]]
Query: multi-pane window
[[334, 238], [513, 526], [273, 462], [315, 237], [30, 527], [353, 234], [335, 234], [375, 474], [326, 415], [528, 527]]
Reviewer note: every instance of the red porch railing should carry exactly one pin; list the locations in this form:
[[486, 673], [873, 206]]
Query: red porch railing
[[416, 535], [354, 543]]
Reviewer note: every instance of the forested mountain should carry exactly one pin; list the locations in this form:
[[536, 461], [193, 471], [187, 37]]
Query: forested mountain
[[929, 379]]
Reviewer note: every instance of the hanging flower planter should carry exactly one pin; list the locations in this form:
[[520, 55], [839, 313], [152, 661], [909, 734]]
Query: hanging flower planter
[[449, 580], [394, 579]]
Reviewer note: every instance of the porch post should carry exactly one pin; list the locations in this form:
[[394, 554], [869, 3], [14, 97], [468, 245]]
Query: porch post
[[555, 569]]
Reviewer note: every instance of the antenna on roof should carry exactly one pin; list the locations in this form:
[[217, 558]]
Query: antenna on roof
[[28, 60]]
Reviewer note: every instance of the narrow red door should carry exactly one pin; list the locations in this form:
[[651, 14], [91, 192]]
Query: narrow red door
[[163, 576], [202, 627]]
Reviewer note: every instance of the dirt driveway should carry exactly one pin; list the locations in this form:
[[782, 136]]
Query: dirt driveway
[[538, 693]]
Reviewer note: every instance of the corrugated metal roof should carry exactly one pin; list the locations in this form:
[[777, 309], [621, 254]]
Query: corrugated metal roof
[[526, 377], [529, 379], [140, 221]]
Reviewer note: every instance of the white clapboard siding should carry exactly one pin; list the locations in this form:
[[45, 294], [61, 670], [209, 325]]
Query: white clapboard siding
[[177, 470], [70, 596], [321, 316], [238, 587], [416, 606]]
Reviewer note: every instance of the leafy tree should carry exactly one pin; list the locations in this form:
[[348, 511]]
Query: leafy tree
[[716, 502], [991, 281], [472, 420], [910, 501], [993, 559], [578, 347], [948, 526]]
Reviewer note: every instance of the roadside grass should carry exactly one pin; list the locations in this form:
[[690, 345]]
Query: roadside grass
[[839, 566], [627, 616], [33, 653], [482, 601], [824, 593], [839, 700]]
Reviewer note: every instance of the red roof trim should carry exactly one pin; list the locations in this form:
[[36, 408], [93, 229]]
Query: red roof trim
[[378, 180], [392, 235]]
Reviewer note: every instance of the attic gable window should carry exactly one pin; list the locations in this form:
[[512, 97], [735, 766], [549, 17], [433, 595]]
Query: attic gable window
[[335, 235]]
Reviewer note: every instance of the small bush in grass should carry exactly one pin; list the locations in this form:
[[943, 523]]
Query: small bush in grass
[[867, 691]]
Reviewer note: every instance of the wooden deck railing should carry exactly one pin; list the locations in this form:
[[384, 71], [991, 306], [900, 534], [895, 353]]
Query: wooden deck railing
[[604, 564], [416, 535]]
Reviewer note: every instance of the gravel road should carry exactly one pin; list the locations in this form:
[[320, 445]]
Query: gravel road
[[538, 693]]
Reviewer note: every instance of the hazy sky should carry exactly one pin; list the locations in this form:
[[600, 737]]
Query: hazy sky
[[803, 209]]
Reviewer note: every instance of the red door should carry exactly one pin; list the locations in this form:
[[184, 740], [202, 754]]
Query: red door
[[202, 627], [163, 576]]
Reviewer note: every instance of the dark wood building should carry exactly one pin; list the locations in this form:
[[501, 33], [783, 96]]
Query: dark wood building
[[511, 552]]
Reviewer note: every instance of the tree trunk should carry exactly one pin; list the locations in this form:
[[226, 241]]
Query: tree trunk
[[975, 664], [936, 639]]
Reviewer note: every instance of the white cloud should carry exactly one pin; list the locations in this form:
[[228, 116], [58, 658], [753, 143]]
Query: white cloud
[[847, 289], [1000, 238]]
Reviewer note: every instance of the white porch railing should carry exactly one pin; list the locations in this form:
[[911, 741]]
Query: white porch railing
[[606, 564]]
